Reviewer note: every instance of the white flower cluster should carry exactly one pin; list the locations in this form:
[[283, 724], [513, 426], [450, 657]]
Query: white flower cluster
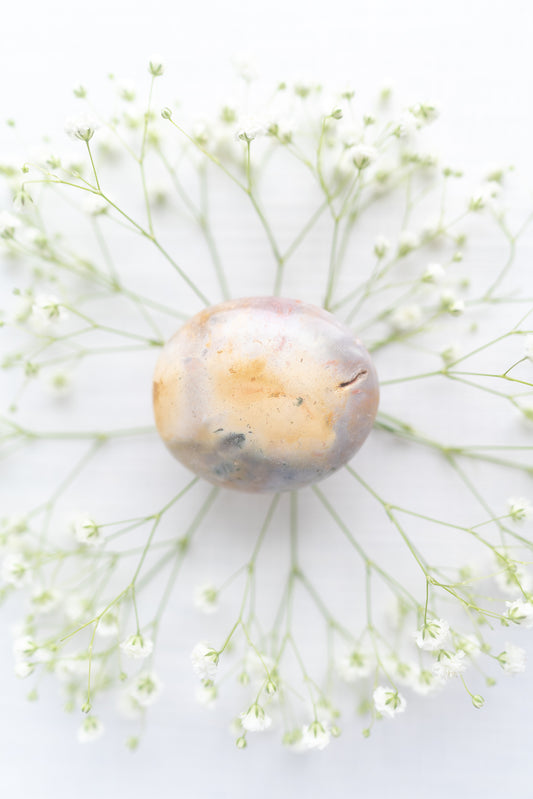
[[255, 719], [86, 531], [206, 598], [449, 664], [16, 570], [204, 661], [8, 224], [432, 635], [145, 688], [356, 665], [250, 128], [90, 730], [512, 659], [315, 735], [520, 509], [137, 647], [388, 702], [47, 311], [81, 127], [520, 612]]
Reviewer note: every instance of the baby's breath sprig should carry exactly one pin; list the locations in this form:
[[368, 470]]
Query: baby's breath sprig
[[382, 235]]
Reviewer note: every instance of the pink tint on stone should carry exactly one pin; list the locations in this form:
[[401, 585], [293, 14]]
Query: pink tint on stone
[[264, 394]]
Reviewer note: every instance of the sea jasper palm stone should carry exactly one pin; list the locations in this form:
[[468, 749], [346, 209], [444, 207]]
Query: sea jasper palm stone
[[264, 394]]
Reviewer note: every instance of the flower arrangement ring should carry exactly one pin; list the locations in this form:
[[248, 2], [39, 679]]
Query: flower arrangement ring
[[376, 576]]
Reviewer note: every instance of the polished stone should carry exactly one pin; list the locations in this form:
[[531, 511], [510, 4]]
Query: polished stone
[[264, 394]]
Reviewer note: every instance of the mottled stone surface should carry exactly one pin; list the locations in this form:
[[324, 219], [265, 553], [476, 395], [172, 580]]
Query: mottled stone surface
[[264, 394]]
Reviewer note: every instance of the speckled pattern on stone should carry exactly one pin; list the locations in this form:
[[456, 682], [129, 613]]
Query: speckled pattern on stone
[[264, 394]]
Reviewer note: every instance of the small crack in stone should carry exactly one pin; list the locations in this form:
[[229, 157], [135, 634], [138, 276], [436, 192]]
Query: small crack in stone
[[355, 379]]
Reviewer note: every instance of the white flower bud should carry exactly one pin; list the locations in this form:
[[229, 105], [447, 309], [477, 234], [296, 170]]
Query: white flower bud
[[356, 665], [449, 664], [206, 598], [95, 205], [255, 719], [512, 659], [207, 694], [381, 246], [433, 273], [519, 509], [249, 129], [156, 66], [8, 225], [14, 524], [23, 669], [204, 661], [24, 646], [145, 688], [425, 112], [86, 531], [407, 241], [451, 304], [16, 570], [126, 90], [59, 382], [406, 126], [137, 647], [45, 601], [316, 735], [47, 311], [451, 353], [363, 155], [81, 127], [406, 317], [432, 635], [520, 613], [90, 729], [388, 702]]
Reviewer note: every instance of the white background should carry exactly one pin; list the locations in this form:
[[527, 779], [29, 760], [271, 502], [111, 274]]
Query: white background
[[474, 58]]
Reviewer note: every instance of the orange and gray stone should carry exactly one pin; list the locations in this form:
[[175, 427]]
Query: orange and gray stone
[[264, 394]]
